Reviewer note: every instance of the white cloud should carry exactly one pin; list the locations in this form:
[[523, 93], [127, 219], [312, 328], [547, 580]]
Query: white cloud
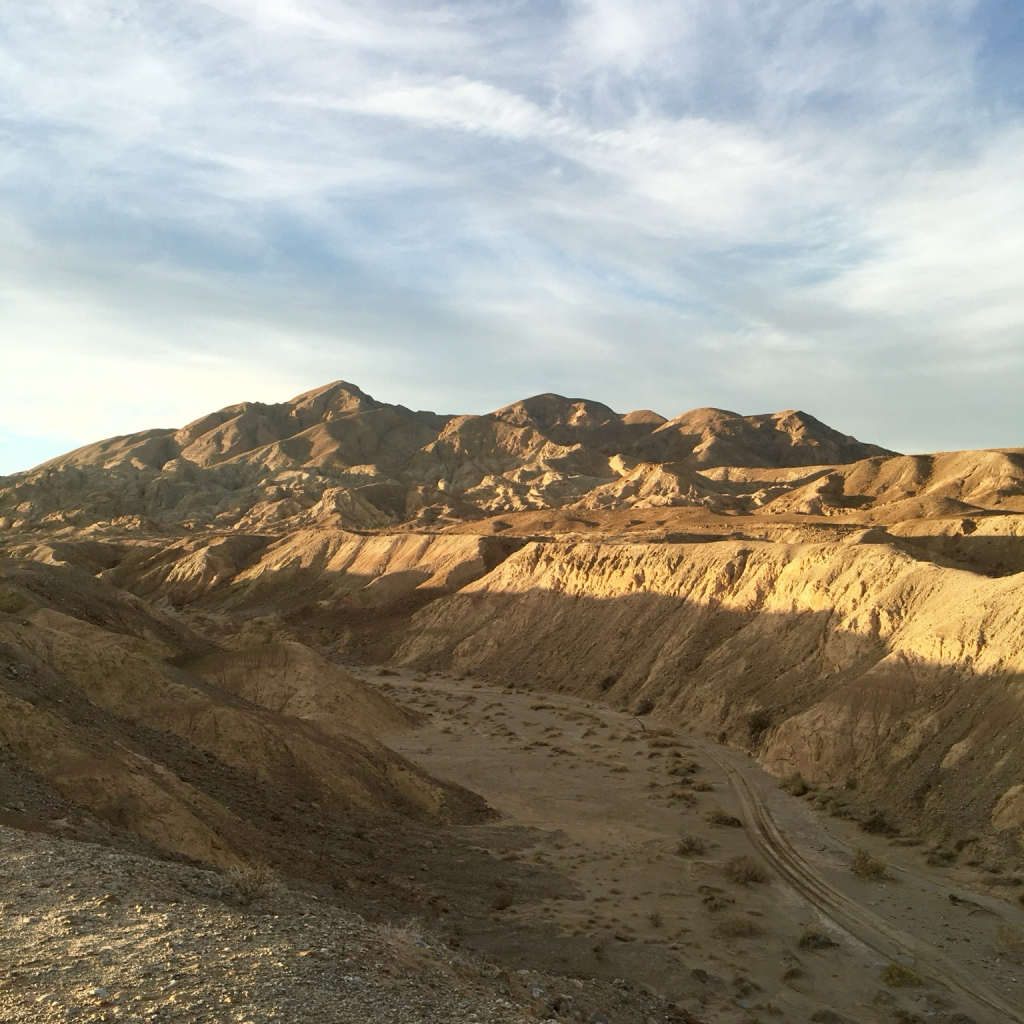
[[402, 188]]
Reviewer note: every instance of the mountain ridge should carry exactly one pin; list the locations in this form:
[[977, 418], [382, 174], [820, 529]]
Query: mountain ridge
[[336, 456]]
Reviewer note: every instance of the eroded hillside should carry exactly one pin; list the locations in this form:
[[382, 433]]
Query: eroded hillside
[[849, 615]]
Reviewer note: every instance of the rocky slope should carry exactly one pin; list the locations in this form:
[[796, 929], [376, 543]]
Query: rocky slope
[[118, 713]]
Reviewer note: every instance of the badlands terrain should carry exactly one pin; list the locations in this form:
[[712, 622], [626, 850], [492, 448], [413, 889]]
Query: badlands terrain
[[551, 713]]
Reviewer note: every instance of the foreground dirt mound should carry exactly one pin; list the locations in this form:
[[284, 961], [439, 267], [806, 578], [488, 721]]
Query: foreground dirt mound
[[99, 935], [95, 708]]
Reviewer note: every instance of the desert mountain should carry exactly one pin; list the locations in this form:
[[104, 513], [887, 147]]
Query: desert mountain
[[337, 457], [177, 603]]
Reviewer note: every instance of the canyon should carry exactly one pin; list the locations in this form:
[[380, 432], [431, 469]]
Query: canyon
[[212, 637]]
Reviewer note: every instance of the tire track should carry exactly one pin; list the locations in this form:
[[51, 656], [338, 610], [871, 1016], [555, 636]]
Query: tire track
[[867, 927]]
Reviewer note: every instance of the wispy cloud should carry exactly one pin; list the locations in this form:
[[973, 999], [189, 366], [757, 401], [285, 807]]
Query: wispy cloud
[[751, 203]]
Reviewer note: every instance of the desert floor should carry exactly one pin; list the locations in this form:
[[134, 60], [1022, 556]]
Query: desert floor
[[604, 800]]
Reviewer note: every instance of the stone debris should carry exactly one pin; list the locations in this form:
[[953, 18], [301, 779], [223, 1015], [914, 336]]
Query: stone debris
[[95, 935]]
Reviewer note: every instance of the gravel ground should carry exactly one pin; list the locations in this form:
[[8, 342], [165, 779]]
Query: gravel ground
[[93, 934]]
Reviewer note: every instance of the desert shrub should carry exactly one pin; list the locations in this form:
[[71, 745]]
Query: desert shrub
[[716, 816], [655, 918], [683, 796], [877, 824], [898, 976], [663, 742], [743, 870], [715, 899], [502, 900], [386, 672], [608, 681], [863, 865], [738, 927], [827, 1017], [404, 934], [1010, 942], [815, 938], [757, 722], [794, 784], [701, 785], [939, 857], [691, 846], [644, 707], [252, 880]]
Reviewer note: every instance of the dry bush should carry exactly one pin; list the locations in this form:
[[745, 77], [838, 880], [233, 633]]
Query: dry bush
[[542, 707], [743, 870], [1010, 942], [815, 938], [701, 785], [502, 900], [738, 927], [794, 784], [878, 825], [898, 976], [683, 796], [717, 816], [715, 899], [406, 934], [655, 918], [663, 742], [863, 865], [252, 880], [691, 846]]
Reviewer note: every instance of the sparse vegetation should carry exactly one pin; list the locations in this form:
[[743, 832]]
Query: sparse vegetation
[[757, 722], [940, 857], [1010, 942], [715, 899], [502, 900], [691, 846], [898, 976], [869, 868], [717, 816], [738, 927], [877, 824], [743, 870], [794, 784], [816, 938], [701, 785], [252, 881], [655, 918]]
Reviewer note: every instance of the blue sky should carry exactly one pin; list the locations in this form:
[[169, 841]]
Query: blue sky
[[752, 204]]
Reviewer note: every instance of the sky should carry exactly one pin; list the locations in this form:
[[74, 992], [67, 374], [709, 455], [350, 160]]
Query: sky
[[749, 204]]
